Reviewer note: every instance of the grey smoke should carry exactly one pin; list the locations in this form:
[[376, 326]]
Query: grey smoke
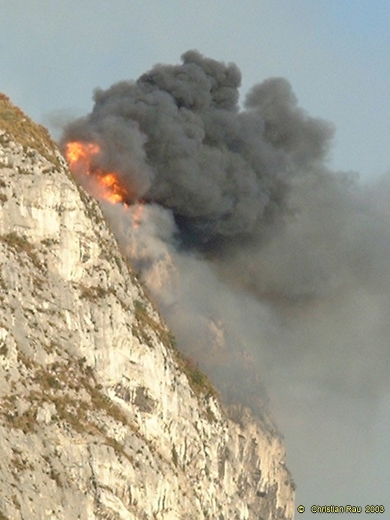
[[270, 268], [252, 198], [179, 139]]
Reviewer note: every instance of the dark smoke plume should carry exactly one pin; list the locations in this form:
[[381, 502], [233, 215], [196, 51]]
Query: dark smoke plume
[[179, 139], [270, 269], [242, 199]]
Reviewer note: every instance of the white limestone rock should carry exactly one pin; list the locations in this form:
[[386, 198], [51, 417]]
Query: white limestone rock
[[99, 418]]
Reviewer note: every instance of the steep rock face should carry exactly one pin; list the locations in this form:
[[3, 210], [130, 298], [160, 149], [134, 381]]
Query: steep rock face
[[100, 417]]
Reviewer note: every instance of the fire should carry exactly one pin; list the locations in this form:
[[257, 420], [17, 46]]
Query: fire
[[105, 185], [114, 191], [77, 152]]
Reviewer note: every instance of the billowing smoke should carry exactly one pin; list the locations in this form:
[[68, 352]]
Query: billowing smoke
[[270, 269], [179, 139]]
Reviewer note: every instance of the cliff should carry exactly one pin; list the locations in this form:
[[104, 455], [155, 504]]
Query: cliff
[[100, 416]]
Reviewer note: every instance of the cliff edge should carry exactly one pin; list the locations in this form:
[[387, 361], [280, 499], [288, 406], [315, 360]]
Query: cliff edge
[[100, 416]]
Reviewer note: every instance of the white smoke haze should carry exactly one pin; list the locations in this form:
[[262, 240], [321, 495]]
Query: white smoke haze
[[271, 270]]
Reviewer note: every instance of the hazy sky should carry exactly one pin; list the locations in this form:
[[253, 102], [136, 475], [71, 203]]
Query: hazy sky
[[335, 53]]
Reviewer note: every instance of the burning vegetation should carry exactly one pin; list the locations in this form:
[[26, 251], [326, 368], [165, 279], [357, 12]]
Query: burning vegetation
[[106, 185]]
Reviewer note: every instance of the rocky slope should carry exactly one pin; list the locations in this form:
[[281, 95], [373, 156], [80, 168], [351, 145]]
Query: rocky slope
[[100, 416]]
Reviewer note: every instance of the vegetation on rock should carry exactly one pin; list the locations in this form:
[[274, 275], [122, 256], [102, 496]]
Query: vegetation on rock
[[31, 136]]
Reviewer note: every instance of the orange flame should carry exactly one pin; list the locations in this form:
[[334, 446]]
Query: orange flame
[[77, 152], [107, 185]]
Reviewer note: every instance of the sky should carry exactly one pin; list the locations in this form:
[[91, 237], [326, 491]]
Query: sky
[[336, 55]]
